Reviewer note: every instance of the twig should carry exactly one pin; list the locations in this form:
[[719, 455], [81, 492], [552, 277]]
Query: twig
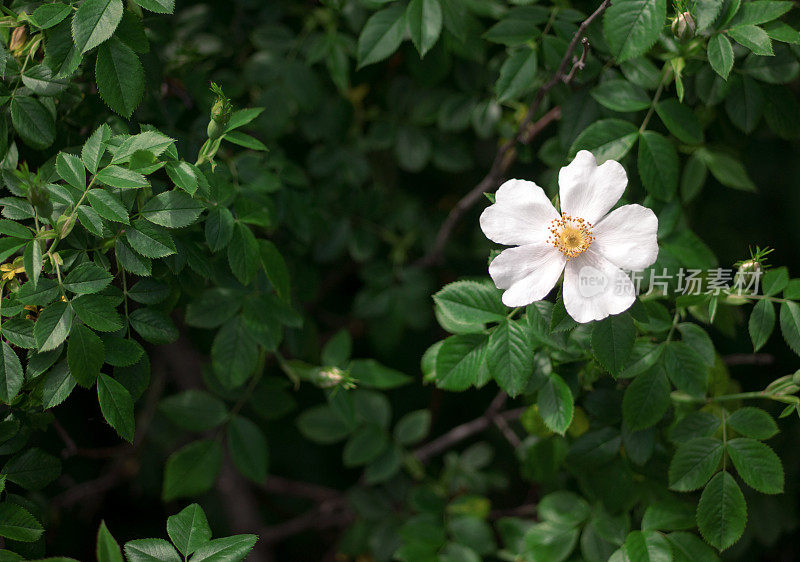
[[507, 154], [749, 359], [468, 429], [284, 486], [331, 513]]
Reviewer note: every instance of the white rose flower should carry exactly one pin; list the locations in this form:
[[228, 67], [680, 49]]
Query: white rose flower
[[590, 245]]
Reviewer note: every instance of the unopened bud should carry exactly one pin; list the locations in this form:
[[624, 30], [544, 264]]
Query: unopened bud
[[750, 266], [329, 377], [64, 225], [18, 38], [683, 26]]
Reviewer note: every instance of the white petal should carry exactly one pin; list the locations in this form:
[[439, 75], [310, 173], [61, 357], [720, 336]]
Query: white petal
[[587, 190], [520, 215], [627, 237], [527, 272], [595, 288]]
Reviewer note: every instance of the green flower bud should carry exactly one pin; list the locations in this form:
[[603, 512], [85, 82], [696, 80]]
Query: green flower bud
[[64, 225]]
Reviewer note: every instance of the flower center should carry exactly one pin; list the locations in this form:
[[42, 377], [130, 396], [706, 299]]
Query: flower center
[[570, 235]]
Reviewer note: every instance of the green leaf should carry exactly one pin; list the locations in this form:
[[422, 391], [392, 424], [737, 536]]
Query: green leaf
[[658, 165], [192, 470], [33, 469], [685, 368], [154, 326], [48, 15], [53, 326], [424, 18], [556, 404], [621, 95], [364, 445], [158, 6], [632, 26], [107, 547], [517, 74], [752, 37], [371, 374], [120, 76], [694, 463], [688, 547], [87, 278], [149, 240], [97, 312], [189, 529], [151, 550], [227, 549], [219, 228], [510, 356], [57, 386], [16, 523], [646, 400], [722, 512], [680, 121], [276, 269], [696, 337], [760, 11], [243, 254], [117, 406], [234, 353], [790, 325], [183, 175], [195, 410], [381, 35], [152, 142], [757, 464], [85, 355], [607, 139], [94, 147], [669, 515], [117, 176], [248, 448], [470, 302], [245, 140], [94, 22], [33, 122], [71, 170], [461, 362], [612, 341], [752, 422], [647, 546], [107, 205], [172, 209], [11, 377], [728, 170], [744, 103], [774, 281], [322, 425], [720, 55], [413, 427], [761, 324]]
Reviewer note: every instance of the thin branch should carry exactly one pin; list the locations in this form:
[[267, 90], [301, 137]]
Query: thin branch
[[284, 486], [332, 513], [749, 359], [507, 153], [468, 429]]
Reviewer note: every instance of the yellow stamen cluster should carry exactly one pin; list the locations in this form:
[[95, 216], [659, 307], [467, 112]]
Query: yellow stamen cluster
[[10, 270], [570, 235]]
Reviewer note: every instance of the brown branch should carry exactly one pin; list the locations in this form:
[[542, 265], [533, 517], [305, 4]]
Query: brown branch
[[507, 153], [749, 359], [331, 513], [468, 429], [283, 486]]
